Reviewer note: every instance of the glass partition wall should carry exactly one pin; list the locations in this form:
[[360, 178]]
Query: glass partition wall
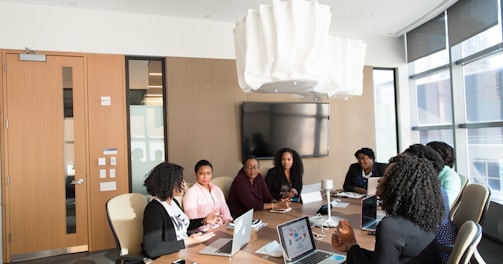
[[146, 95]]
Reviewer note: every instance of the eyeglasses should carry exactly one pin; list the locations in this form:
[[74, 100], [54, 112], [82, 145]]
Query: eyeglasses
[[251, 168]]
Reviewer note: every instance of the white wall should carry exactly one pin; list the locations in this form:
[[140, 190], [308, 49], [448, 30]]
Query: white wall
[[77, 30]]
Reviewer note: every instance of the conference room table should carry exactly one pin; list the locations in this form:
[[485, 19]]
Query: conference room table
[[268, 233]]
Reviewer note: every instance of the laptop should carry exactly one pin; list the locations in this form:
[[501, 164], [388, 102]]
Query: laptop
[[372, 185], [369, 219], [297, 243], [227, 247]]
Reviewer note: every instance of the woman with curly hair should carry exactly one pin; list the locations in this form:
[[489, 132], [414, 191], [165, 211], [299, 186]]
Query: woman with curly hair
[[165, 225], [284, 180], [410, 191]]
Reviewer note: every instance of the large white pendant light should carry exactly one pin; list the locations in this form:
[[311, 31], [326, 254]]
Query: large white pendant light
[[285, 47]]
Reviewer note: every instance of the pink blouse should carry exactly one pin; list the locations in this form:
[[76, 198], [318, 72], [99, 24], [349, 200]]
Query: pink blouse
[[198, 202]]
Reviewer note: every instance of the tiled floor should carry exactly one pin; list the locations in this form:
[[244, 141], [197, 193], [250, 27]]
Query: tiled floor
[[491, 251]]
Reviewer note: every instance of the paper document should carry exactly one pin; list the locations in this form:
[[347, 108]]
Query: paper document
[[272, 248], [350, 195]]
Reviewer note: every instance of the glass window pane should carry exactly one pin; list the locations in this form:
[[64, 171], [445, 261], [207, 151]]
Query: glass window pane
[[483, 82], [146, 118], [385, 117], [434, 99], [445, 135], [431, 62], [481, 41], [485, 156]]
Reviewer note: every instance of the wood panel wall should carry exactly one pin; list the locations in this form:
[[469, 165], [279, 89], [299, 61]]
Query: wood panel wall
[[204, 115], [107, 130]]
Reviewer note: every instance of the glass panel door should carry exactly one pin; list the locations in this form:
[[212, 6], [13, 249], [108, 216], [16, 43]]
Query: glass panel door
[[145, 87]]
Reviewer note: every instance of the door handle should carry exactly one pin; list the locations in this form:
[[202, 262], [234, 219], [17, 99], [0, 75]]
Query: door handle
[[79, 181]]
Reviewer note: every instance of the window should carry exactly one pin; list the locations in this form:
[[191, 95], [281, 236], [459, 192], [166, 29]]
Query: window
[[385, 113], [457, 96]]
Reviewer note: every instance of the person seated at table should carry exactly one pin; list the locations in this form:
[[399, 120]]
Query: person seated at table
[[449, 178], [284, 180], [446, 232], [249, 190], [204, 197], [411, 198], [358, 173], [165, 225]]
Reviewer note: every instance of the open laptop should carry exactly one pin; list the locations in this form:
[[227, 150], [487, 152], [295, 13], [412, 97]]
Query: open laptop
[[372, 185], [229, 246], [369, 219], [297, 243]]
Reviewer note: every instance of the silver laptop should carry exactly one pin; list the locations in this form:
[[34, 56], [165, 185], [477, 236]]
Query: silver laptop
[[229, 246], [297, 243], [369, 218], [372, 185]]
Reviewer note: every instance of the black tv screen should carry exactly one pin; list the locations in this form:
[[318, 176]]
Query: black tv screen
[[270, 126]]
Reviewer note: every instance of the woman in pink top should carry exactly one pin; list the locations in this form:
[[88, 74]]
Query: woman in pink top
[[204, 197]]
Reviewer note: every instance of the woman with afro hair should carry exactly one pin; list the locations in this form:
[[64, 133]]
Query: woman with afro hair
[[410, 192]]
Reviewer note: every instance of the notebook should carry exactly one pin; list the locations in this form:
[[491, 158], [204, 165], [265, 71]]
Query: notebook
[[372, 185], [369, 219], [297, 243], [229, 246]]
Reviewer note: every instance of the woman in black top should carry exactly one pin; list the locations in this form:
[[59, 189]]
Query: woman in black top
[[284, 180]]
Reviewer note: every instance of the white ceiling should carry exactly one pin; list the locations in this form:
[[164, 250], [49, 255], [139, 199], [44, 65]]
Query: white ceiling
[[349, 17]]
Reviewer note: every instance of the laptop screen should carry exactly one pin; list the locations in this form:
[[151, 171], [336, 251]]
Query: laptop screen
[[369, 210], [296, 238]]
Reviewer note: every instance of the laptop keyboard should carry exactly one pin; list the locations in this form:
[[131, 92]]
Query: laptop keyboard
[[372, 226], [226, 248], [316, 257]]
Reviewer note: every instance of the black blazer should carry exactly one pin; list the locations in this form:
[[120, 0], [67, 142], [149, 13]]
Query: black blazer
[[354, 177]]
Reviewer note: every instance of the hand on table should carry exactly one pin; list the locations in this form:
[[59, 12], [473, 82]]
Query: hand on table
[[198, 238], [360, 190]]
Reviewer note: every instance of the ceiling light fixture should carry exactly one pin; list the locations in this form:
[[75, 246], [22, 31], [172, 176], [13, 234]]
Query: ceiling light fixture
[[285, 47]]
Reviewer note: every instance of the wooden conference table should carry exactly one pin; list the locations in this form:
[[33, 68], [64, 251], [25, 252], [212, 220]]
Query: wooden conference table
[[268, 233]]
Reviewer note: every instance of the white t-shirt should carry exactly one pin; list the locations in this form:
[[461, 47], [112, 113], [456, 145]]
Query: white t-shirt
[[178, 217], [366, 175]]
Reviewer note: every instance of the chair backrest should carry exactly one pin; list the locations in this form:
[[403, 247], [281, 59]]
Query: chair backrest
[[473, 204], [224, 183], [468, 238], [125, 216], [464, 181]]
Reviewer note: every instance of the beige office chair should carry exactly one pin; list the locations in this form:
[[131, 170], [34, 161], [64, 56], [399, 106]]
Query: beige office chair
[[473, 204], [464, 181], [125, 216], [224, 183], [468, 238]]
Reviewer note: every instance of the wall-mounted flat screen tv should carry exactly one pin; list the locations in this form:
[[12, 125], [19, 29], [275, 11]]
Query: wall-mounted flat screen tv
[[270, 126]]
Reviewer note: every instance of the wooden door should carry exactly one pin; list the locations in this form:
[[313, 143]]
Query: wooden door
[[46, 184]]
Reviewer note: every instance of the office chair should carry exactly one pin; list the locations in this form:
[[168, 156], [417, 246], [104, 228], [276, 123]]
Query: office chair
[[468, 238], [472, 206], [125, 216], [464, 181], [224, 183]]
